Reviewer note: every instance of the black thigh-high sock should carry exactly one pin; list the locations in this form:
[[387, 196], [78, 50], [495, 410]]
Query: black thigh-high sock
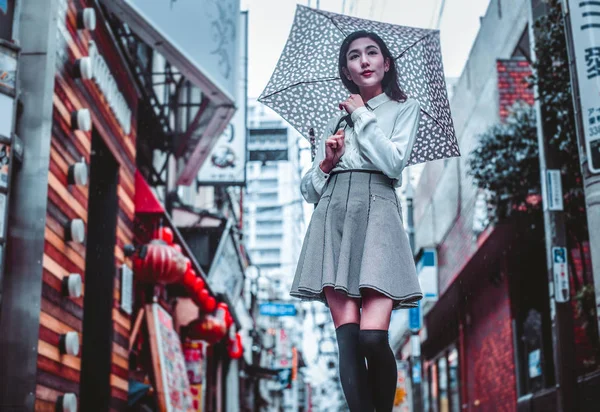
[[381, 365], [353, 372]]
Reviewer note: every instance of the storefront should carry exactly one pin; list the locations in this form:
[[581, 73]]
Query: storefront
[[200, 333], [97, 278]]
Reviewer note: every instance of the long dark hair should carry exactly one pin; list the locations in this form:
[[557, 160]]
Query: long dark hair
[[389, 84]]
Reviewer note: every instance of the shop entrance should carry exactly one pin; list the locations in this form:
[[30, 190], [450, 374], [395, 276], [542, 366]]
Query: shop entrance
[[99, 278]]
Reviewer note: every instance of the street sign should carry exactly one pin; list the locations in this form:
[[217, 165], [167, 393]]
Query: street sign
[[416, 373], [552, 191], [585, 25], [414, 318], [277, 309], [561, 274], [285, 378]]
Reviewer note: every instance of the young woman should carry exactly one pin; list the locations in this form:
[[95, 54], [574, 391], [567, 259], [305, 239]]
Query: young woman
[[356, 254]]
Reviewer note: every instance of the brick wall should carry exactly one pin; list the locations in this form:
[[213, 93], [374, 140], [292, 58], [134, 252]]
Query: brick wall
[[491, 384], [512, 84]]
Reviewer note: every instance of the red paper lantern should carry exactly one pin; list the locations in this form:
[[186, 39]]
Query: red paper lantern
[[165, 233], [189, 278], [211, 305], [235, 348], [203, 296], [176, 247], [198, 285], [188, 263], [160, 264], [207, 328]]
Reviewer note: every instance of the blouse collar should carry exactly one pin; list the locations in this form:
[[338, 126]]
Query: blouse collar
[[378, 100]]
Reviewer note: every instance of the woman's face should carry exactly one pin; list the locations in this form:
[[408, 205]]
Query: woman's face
[[366, 65]]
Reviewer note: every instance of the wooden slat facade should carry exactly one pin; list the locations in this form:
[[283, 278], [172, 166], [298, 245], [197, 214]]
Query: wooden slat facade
[[59, 373]]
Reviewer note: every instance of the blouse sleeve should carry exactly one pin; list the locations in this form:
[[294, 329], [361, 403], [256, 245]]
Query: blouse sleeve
[[314, 180], [388, 154]]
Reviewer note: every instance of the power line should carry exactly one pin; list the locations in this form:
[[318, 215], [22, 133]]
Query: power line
[[441, 12]]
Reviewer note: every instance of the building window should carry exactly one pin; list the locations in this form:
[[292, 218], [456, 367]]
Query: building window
[[269, 238], [444, 382]]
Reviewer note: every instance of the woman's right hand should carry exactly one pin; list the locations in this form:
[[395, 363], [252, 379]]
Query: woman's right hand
[[334, 150]]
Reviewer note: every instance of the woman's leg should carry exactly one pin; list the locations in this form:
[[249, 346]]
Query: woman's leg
[[375, 346], [345, 312]]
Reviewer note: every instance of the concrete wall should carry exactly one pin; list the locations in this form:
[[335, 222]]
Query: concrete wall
[[445, 196]]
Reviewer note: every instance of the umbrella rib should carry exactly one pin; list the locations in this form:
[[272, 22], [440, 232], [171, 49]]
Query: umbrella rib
[[332, 21], [344, 33], [413, 45], [435, 120], [297, 84]]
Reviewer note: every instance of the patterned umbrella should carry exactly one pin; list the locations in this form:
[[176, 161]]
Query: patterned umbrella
[[305, 88]]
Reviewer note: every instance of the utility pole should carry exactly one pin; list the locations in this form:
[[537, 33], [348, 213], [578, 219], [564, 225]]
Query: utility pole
[[587, 89], [561, 316], [415, 339]]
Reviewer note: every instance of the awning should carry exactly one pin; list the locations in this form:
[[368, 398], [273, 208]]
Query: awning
[[144, 199]]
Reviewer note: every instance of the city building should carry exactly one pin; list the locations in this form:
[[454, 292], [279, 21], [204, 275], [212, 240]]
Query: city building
[[485, 337], [273, 229]]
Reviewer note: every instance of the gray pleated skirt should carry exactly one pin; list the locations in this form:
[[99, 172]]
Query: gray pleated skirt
[[356, 241]]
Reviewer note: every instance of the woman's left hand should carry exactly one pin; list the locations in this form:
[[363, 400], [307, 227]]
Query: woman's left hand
[[352, 103]]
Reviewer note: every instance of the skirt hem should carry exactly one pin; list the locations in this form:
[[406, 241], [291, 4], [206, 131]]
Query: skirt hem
[[307, 294]]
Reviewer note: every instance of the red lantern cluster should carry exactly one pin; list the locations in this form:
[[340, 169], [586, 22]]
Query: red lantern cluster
[[162, 261], [207, 328], [198, 291]]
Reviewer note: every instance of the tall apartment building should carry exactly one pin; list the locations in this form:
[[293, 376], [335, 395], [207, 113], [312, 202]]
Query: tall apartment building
[[273, 221]]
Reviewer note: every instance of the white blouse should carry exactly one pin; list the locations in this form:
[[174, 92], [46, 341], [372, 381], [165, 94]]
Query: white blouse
[[381, 139]]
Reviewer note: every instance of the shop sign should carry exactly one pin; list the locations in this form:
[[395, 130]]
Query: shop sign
[[109, 88], [552, 191], [8, 70], [561, 274], [226, 275], [277, 309], [126, 289], [416, 373], [585, 25], [402, 398], [226, 163], [428, 273], [414, 317], [7, 14], [170, 372], [199, 37], [535, 364]]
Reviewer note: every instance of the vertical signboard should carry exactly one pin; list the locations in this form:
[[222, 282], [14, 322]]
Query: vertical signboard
[[226, 163], [198, 36], [170, 371], [561, 274], [7, 14], [585, 24]]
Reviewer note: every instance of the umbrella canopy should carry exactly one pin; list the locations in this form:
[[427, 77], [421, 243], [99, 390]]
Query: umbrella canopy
[[305, 88]]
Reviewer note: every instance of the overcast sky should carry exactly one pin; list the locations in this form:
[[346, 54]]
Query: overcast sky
[[270, 22]]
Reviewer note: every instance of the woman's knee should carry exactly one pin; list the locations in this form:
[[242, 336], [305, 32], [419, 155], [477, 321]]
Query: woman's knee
[[344, 309], [373, 341]]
